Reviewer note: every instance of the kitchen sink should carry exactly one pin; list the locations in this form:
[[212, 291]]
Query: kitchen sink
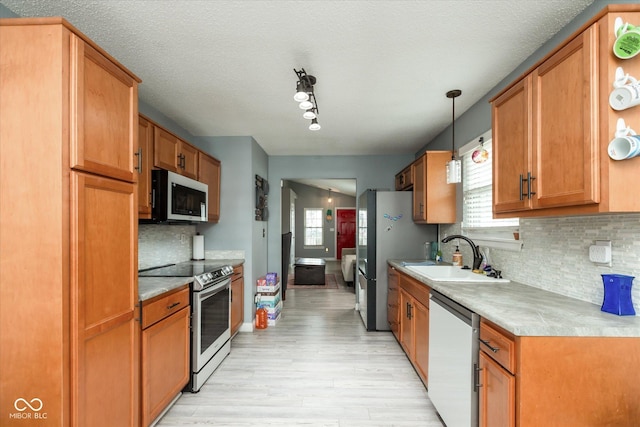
[[448, 273]]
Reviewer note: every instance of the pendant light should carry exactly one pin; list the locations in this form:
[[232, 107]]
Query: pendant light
[[454, 166]]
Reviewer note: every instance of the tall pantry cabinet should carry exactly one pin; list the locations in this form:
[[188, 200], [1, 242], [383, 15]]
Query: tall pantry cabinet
[[68, 230]]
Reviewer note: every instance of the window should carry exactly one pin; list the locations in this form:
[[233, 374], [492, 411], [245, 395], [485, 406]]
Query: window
[[362, 227], [477, 211], [313, 227]]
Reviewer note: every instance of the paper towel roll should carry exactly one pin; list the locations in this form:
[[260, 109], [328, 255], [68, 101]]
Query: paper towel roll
[[198, 247]]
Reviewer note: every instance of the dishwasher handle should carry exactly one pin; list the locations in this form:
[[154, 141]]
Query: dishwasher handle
[[476, 377]]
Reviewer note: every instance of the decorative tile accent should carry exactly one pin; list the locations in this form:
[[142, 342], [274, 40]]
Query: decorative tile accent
[[555, 254], [164, 244]]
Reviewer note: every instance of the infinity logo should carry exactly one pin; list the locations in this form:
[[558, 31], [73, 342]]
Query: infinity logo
[[21, 404]]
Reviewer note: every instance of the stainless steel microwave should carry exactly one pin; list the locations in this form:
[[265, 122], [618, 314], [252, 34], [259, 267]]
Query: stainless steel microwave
[[177, 198]]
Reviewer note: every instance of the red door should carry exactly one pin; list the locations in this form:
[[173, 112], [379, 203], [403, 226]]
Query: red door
[[346, 229]]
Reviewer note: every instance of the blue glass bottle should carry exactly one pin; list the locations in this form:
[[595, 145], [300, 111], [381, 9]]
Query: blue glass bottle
[[617, 294]]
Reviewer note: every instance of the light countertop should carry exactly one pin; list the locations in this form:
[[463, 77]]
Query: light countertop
[[527, 311], [149, 287]]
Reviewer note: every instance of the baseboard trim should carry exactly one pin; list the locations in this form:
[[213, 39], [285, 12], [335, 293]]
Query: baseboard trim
[[246, 327]]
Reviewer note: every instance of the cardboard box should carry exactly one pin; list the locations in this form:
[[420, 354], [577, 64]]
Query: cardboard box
[[269, 301], [263, 287], [272, 310], [272, 322], [272, 278]]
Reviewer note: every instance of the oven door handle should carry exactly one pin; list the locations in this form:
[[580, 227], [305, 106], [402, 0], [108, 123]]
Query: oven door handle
[[214, 289]]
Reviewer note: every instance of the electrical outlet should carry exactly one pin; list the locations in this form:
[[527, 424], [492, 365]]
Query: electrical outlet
[[183, 238], [600, 253]]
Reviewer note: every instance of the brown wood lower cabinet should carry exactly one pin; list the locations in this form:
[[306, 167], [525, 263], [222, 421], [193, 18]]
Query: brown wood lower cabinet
[[165, 351], [497, 376], [497, 394], [558, 380], [413, 308], [393, 301], [237, 298]]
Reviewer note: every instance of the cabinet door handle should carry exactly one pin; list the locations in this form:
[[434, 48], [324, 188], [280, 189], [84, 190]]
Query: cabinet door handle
[[521, 187], [153, 199], [169, 307], [138, 154], [139, 313], [494, 349], [529, 182]]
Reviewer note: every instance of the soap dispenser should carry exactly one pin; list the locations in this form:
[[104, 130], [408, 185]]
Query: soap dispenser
[[457, 258]]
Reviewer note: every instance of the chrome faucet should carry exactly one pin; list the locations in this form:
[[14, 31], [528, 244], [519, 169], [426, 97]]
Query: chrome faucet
[[477, 258]]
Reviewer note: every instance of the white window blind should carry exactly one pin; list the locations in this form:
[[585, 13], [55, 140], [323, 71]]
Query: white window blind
[[477, 191], [313, 227]]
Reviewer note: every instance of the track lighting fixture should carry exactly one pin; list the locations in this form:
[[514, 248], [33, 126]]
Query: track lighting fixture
[[306, 97], [314, 125]]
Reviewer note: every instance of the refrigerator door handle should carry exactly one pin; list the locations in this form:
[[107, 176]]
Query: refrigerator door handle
[[364, 274]]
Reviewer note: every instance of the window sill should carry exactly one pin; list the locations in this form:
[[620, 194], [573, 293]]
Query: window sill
[[497, 243]]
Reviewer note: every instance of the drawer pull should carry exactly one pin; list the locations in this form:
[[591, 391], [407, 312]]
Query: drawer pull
[[494, 349], [169, 307]]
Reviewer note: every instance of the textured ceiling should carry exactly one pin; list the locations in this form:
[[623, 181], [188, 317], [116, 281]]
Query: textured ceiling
[[225, 68]]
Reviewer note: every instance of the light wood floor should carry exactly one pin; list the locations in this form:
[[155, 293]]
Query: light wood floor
[[317, 367]]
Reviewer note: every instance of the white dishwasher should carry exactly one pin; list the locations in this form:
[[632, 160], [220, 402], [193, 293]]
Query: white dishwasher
[[453, 361]]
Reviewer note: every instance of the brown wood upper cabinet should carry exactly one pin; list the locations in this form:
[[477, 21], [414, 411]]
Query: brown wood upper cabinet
[[145, 163], [104, 107], [404, 179], [434, 201], [173, 154], [209, 173], [552, 127]]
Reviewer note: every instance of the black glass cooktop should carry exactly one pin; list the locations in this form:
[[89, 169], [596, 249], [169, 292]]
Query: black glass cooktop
[[180, 270]]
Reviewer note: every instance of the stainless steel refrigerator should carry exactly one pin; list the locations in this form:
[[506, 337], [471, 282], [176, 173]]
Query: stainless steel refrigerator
[[385, 231]]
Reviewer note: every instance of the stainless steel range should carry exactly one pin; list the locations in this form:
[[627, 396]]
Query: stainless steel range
[[210, 314]]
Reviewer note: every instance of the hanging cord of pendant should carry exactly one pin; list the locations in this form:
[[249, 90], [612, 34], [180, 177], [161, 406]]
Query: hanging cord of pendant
[[453, 94]]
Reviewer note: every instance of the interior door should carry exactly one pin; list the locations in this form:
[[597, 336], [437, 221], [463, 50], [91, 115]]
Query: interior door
[[345, 230]]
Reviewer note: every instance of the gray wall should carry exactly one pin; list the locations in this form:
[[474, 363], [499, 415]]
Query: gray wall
[[5, 12], [312, 197], [477, 119], [236, 228], [368, 171]]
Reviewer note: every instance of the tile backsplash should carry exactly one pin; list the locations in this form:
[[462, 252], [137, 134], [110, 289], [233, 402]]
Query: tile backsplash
[[164, 244], [555, 254]]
